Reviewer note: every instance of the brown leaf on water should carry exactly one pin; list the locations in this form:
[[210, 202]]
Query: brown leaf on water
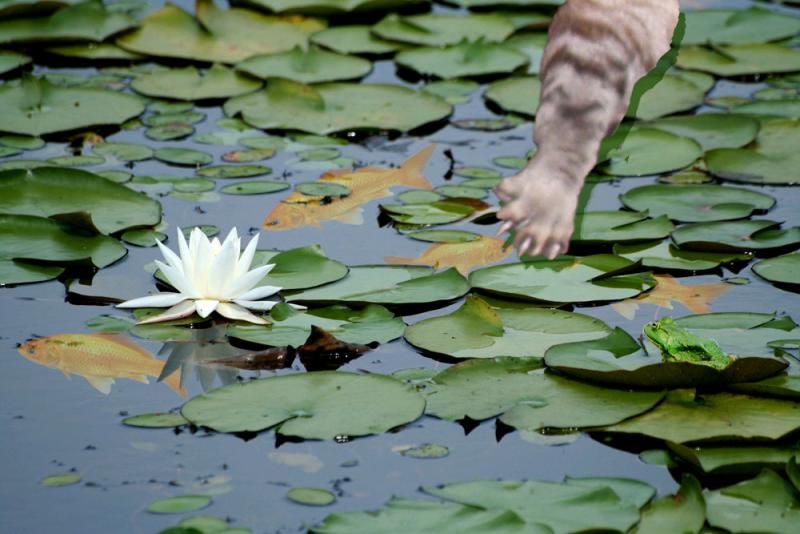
[[323, 351], [365, 184], [462, 256], [697, 298], [263, 360]]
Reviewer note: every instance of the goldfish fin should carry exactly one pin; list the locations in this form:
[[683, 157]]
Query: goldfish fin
[[411, 169], [100, 383], [174, 382], [354, 216]]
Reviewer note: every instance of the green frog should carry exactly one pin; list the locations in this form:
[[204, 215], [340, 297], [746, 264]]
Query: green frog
[[679, 345]]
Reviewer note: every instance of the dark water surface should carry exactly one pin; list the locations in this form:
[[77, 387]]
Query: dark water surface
[[50, 425]]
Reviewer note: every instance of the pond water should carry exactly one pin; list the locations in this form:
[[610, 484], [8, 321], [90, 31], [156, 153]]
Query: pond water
[[51, 425]]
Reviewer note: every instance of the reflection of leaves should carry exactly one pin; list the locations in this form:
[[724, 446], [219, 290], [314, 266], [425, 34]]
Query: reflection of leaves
[[322, 351], [269, 359], [697, 298], [206, 346]]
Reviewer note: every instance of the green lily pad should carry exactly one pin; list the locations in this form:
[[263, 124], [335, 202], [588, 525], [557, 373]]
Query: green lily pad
[[182, 117], [24, 239], [438, 212], [332, 7], [156, 420], [183, 156], [177, 183], [596, 227], [647, 151], [217, 35], [10, 60], [322, 189], [319, 154], [786, 107], [391, 285], [248, 156], [354, 39], [673, 93], [123, 151], [442, 30], [418, 196], [76, 161], [697, 203], [767, 503], [476, 330], [461, 191], [311, 496], [373, 324], [55, 191], [299, 268], [143, 238], [254, 187], [453, 91], [595, 278], [109, 324], [169, 106], [444, 236], [683, 512], [22, 142], [306, 66], [508, 122], [738, 60], [464, 59], [783, 270], [319, 405], [207, 524], [333, 107], [529, 43], [188, 84], [233, 171], [169, 132], [527, 400], [686, 417], [86, 21], [426, 451], [773, 159], [477, 172], [179, 505], [735, 459], [711, 130], [56, 481], [663, 255], [37, 107], [517, 95], [619, 360], [738, 26], [736, 236], [95, 51]]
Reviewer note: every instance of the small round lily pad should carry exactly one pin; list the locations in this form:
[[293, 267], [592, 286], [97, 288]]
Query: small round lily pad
[[319, 154], [477, 172], [233, 171], [179, 504], [460, 191], [156, 420], [322, 189], [55, 481], [418, 196], [444, 236], [183, 156], [248, 156], [784, 270], [311, 496], [427, 451], [169, 132], [124, 151], [254, 187], [143, 238]]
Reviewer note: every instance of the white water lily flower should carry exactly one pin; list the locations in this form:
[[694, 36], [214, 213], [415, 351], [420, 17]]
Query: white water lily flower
[[210, 276]]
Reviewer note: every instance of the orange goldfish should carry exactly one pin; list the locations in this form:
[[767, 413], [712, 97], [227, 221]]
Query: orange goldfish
[[366, 184], [99, 358], [462, 256]]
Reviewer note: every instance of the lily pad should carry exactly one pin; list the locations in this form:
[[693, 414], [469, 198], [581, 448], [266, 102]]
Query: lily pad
[[311, 496], [683, 512], [517, 95], [442, 30], [373, 324], [425, 451], [783, 270], [169, 132], [453, 91], [182, 117], [688, 417], [354, 39], [156, 420], [299, 268], [322, 189], [738, 26], [86, 21], [444, 236], [56, 481], [11, 60], [37, 107], [332, 7], [306, 66], [319, 405], [233, 171], [476, 330], [529, 43], [183, 156], [596, 227], [123, 151], [418, 196], [188, 83], [56, 191], [391, 285], [773, 159], [739, 60], [647, 151], [143, 238], [25, 239], [666, 256], [697, 203], [711, 130], [438, 212], [673, 93], [217, 35], [254, 187], [94, 51], [595, 278], [179, 505], [736, 236], [735, 459], [333, 107], [465, 59]]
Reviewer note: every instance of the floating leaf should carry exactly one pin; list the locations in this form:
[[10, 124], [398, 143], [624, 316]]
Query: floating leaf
[[218, 35], [188, 84], [664, 256], [123, 151], [425, 451], [453, 91], [169, 132], [444, 236], [95, 51], [248, 156], [299, 268], [738, 60], [254, 187], [595, 227], [517, 95], [439, 212], [233, 171], [37, 107], [322, 189], [307, 66], [476, 330], [735, 459], [442, 30], [462, 60], [696, 203], [179, 505], [11, 60], [56, 481], [183, 156], [311, 496], [738, 26], [354, 39], [333, 7], [737, 236], [156, 420], [683, 512], [671, 94], [333, 107], [697, 297], [648, 151], [319, 405], [529, 43], [143, 238], [711, 130], [388, 285], [784, 270], [567, 280]]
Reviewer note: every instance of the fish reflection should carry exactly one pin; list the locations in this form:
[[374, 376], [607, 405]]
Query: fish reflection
[[99, 358]]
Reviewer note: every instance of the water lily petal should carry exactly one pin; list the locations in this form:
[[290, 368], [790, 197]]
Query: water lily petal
[[222, 272], [205, 307], [172, 259], [202, 258], [246, 282], [261, 305], [237, 313], [258, 293], [177, 280], [243, 265], [179, 311], [159, 300], [186, 256]]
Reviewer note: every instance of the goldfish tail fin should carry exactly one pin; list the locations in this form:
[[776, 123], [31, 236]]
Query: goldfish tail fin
[[412, 169], [174, 382]]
